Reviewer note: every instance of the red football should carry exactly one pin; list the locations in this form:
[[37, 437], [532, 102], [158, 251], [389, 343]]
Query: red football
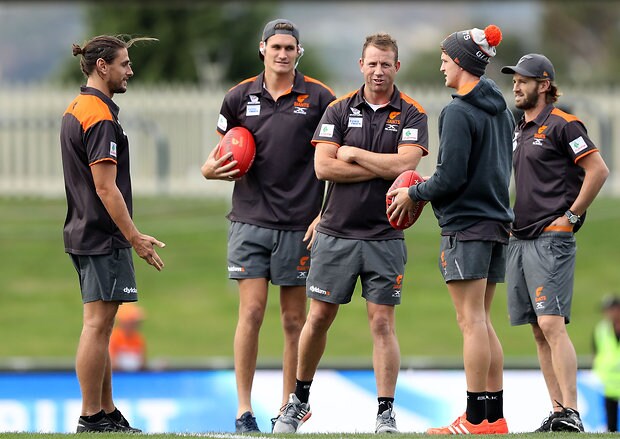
[[240, 142], [406, 179]]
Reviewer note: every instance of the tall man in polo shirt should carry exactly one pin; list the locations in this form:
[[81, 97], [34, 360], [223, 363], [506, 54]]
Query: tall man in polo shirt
[[469, 192], [275, 205], [99, 232], [558, 173], [364, 141]]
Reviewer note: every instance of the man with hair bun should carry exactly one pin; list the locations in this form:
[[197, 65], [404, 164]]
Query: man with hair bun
[[469, 192], [99, 232]]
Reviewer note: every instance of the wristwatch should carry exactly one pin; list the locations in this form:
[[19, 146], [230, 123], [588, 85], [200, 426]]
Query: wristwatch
[[573, 218]]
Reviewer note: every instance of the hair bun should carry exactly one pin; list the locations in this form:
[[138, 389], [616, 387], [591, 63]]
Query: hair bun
[[77, 50], [493, 35]]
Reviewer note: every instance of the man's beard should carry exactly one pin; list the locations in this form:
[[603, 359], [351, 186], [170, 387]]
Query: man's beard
[[530, 100]]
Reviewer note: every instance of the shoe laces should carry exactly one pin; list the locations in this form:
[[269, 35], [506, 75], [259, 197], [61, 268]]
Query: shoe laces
[[387, 417], [249, 422]]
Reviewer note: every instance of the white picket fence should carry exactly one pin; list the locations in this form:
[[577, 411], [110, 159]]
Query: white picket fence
[[172, 130]]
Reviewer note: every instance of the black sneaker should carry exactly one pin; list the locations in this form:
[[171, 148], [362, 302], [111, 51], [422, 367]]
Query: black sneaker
[[117, 417], [568, 420], [246, 424], [104, 424], [545, 427]]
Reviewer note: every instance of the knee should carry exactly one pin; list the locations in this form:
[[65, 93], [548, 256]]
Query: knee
[[292, 322], [252, 316], [382, 326]]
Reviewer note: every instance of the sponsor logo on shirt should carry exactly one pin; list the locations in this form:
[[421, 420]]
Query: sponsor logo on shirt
[[355, 122], [254, 100], [113, 149], [355, 112], [222, 123], [578, 145], [252, 110], [410, 134], [327, 130], [299, 106], [390, 127], [539, 136]]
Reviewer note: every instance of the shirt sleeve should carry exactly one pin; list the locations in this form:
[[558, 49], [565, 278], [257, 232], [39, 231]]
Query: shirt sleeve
[[452, 164], [576, 140], [228, 114], [329, 128], [415, 130], [101, 140]]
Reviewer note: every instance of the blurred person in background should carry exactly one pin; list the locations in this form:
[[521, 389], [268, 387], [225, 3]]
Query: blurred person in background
[[275, 206], [469, 192], [365, 140], [127, 343], [99, 232], [558, 173], [606, 364]]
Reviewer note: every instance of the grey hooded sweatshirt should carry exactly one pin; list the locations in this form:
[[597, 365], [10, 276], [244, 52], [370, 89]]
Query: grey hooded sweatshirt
[[472, 178]]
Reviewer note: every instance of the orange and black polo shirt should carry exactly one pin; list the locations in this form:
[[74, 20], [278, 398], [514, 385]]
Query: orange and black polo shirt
[[281, 190], [357, 210], [90, 133], [547, 177]]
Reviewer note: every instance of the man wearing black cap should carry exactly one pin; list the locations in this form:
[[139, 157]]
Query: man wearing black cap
[[558, 173], [470, 198], [275, 205]]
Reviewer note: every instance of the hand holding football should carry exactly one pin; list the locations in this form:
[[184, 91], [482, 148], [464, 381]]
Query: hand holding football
[[405, 180], [240, 142]]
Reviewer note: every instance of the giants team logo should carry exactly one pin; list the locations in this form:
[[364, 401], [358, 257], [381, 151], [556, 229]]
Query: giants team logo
[[303, 267], [398, 286], [299, 106], [540, 298]]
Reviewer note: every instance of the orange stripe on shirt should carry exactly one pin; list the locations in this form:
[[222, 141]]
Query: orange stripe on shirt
[[412, 101], [558, 229], [342, 98], [567, 117], [89, 110], [106, 159], [584, 155], [316, 81], [467, 88]]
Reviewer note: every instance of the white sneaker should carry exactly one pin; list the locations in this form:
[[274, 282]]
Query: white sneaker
[[294, 414], [386, 422]]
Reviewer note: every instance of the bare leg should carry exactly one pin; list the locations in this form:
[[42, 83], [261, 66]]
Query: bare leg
[[252, 303], [468, 297], [386, 351], [560, 354], [314, 337], [495, 380], [92, 358], [293, 317]]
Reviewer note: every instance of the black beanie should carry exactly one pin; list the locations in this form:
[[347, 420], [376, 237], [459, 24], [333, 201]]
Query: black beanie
[[472, 49]]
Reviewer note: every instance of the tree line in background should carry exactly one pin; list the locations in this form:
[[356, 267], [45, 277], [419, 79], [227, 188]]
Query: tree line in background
[[214, 44]]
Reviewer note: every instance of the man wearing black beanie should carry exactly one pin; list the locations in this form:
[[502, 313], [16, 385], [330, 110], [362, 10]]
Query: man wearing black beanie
[[470, 197]]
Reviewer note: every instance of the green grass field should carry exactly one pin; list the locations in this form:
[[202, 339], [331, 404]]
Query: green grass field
[[191, 305]]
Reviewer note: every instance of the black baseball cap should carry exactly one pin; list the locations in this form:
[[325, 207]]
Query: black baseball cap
[[270, 30], [532, 65]]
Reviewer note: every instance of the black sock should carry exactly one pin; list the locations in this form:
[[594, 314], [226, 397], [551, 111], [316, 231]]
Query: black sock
[[495, 405], [94, 418], [302, 390], [116, 415], [476, 404], [385, 404]]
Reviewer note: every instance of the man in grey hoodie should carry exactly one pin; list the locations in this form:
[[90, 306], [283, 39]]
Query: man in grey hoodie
[[470, 197]]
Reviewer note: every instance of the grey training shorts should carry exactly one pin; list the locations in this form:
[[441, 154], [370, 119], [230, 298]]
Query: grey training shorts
[[463, 260], [108, 277], [338, 262], [257, 252], [540, 275]]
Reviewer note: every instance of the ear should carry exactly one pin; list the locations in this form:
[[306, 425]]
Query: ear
[[261, 48], [300, 50], [101, 65]]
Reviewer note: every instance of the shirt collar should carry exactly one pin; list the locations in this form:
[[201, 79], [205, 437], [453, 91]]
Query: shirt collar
[[394, 102], [85, 90]]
